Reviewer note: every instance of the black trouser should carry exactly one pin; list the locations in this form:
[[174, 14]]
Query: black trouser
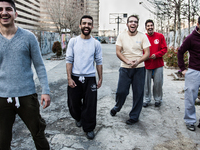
[[83, 110], [29, 112], [136, 78]]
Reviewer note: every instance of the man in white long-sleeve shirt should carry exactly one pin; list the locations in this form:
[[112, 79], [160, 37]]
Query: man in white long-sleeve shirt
[[82, 52]]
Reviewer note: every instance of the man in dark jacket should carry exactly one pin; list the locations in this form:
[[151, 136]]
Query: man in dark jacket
[[192, 75]]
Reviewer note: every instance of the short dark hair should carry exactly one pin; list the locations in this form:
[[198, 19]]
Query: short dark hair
[[11, 2], [86, 16], [199, 20], [136, 16], [147, 21]]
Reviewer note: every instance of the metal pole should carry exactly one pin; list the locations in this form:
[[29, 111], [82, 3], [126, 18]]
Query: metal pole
[[117, 25]]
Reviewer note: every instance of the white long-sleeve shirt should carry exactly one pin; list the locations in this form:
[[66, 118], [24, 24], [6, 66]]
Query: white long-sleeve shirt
[[82, 53]]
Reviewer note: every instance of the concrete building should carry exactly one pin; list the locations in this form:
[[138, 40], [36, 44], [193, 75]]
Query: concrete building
[[28, 13], [33, 14], [92, 8]]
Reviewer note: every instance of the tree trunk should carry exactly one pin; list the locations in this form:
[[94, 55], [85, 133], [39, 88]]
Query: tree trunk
[[179, 22], [174, 42], [188, 17]]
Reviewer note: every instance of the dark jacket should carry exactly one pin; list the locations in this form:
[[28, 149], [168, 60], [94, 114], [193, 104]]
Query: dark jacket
[[192, 45]]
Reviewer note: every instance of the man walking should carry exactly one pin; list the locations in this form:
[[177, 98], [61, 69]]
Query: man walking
[[154, 65], [129, 49], [192, 75], [81, 53], [18, 49]]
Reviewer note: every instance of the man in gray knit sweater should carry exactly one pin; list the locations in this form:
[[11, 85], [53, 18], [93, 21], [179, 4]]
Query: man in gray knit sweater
[[18, 49]]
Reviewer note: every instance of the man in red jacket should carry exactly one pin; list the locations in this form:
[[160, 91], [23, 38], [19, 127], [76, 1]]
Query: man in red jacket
[[192, 75], [154, 65]]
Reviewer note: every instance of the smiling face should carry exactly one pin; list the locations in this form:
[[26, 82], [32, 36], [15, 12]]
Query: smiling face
[[132, 25], [150, 28], [7, 14], [86, 26]]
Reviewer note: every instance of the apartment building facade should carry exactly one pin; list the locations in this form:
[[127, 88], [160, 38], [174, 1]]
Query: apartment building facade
[[28, 14], [92, 9]]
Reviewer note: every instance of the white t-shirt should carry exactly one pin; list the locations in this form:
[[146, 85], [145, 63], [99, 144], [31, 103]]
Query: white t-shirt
[[132, 46]]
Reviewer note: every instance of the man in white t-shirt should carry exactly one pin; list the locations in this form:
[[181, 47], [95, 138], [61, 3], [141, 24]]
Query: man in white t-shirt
[[130, 47]]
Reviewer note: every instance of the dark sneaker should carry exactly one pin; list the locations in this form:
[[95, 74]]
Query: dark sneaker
[[90, 135], [157, 104], [113, 112], [198, 125], [131, 122], [190, 127], [145, 104], [78, 123]]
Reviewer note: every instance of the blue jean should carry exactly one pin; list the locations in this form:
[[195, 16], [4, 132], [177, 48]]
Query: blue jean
[[136, 78]]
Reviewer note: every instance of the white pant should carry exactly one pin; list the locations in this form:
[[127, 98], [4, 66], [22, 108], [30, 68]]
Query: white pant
[[192, 83]]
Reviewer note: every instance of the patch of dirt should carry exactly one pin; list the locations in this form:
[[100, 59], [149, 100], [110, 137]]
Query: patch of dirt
[[182, 143]]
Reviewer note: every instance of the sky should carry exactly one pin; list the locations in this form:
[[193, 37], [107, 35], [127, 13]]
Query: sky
[[122, 6]]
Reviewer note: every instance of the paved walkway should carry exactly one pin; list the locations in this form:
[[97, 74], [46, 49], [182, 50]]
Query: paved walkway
[[158, 128]]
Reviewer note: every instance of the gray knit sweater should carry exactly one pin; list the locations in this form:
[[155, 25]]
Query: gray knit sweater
[[16, 57]]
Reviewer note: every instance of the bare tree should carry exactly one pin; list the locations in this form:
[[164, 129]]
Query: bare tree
[[176, 10], [65, 14], [56, 11], [162, 9], [74, 11]]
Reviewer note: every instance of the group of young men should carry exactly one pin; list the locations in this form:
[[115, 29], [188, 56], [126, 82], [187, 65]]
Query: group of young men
[[137, 51]]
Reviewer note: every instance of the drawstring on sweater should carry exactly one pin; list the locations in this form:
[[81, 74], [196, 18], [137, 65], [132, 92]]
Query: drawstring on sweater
[[17, 104]]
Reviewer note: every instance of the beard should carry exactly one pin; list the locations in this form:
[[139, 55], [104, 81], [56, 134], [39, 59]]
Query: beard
[[150, 31], [86, 34], [129, 28]]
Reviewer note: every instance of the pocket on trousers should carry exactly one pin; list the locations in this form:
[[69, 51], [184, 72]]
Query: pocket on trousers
[[185, 88], [35, 96]]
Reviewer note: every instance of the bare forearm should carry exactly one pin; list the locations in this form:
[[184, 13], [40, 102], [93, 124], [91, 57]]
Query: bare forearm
[[145, 56], [99, 71], [71, 82], [69, 70], [121, 56]]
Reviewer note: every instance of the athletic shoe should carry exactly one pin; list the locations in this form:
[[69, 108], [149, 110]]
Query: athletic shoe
[[78, 123], [90, 135], [131, 122], [113, 112], [145, 104], [157, 104], [190, 127]]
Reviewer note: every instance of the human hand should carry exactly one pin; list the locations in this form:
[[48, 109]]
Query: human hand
[[153, 56], [130, 63], [71, 83], [45, 98], [184, 72], [135, 63], [99, 83]]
